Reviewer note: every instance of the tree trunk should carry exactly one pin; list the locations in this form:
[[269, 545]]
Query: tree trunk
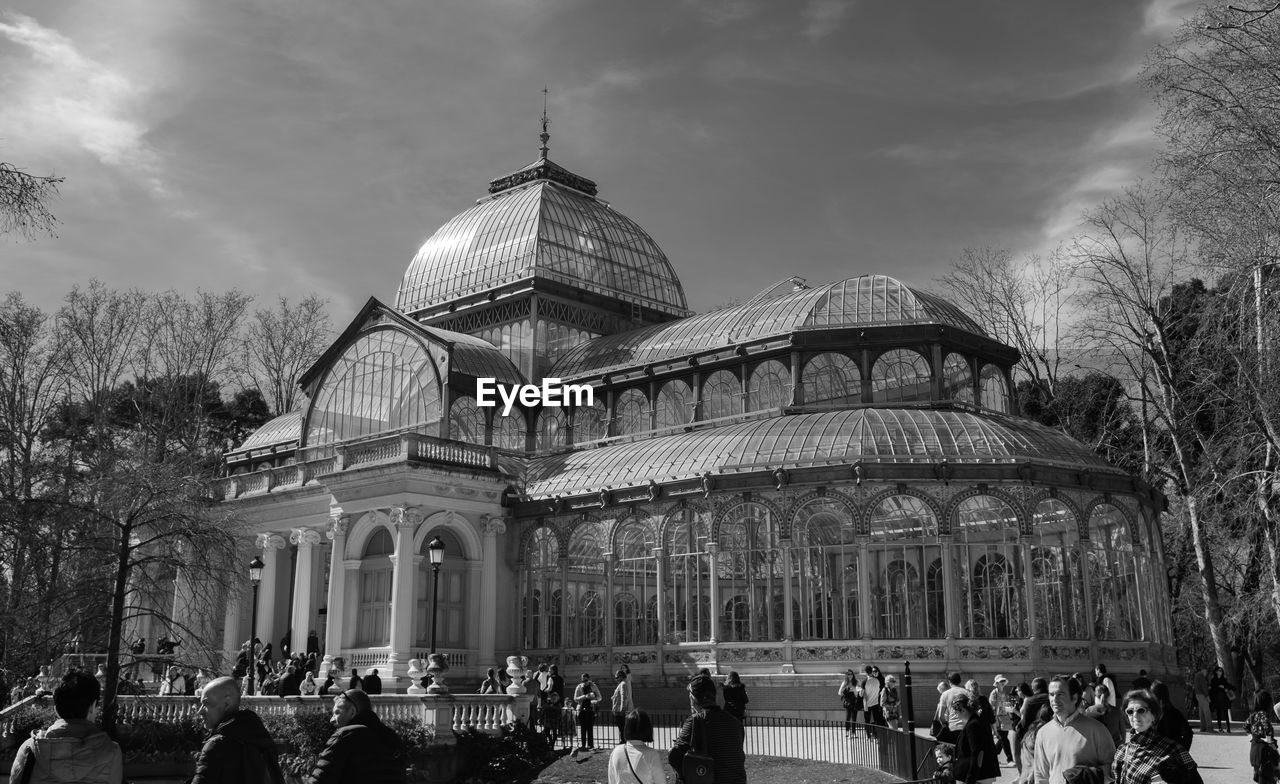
[[1209, 587], [114, 641]]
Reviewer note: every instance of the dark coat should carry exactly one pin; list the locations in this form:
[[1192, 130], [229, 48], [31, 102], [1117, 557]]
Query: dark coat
[[238, 751], [1174, 726], [724, 738], [976, 756], [372, 684], [735, 700], [1027, 716], [365, 751]]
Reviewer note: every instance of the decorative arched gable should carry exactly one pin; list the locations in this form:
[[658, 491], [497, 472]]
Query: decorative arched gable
[[953, 507]]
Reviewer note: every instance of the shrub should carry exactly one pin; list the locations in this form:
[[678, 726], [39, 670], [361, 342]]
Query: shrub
[[515, 757], [32, 716], [150, 740], [301, 737]]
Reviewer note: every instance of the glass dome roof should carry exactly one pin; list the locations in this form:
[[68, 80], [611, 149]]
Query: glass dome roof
[[281, 430], [865, 301], [542, 222], [803, 440]]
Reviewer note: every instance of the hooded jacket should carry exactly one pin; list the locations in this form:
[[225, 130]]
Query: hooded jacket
[[364, 751], [70, 750], [239, 751]]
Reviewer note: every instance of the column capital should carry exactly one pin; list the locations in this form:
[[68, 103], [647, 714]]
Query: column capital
[[404, 516], [493, 526], [270, 542], [305, 537], [338, 526]]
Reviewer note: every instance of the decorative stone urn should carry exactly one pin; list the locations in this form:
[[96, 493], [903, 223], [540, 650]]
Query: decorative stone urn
[[437, 666], [516, 669], [416, 674]]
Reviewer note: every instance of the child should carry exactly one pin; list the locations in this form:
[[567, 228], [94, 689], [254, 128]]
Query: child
[[945, 754], [551, 717]]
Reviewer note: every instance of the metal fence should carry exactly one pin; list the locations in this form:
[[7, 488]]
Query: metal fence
[[872, 746]]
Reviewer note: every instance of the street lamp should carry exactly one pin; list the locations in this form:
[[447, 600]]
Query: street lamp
[[435, 550], [255, 578]]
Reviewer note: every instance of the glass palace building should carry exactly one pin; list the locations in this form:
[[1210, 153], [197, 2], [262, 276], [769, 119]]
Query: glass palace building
[[822, 476]]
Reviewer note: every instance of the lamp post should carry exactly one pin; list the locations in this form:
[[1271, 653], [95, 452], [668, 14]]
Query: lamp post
[[435, 550], [255, 578]]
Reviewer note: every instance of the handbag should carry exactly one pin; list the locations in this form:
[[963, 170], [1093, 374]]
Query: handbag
[[698, 767], [935, 729]]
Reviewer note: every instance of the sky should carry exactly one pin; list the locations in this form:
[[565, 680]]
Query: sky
[[290, 147]]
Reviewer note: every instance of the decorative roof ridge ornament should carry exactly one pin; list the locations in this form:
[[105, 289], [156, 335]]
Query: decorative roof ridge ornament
[[545, 136], [543, 168]]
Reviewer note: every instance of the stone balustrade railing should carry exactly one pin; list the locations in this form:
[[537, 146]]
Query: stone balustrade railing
[[396, 448]]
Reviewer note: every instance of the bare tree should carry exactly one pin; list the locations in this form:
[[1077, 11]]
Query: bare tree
[[1019, 304], [24, 202], [280, 344], [1130, 259]]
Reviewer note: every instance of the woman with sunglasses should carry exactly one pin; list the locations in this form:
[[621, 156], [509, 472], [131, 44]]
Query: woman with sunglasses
[[1148, 756]]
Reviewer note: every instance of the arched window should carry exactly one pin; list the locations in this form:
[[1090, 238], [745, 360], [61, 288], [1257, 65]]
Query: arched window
[[636, 575], [373, 621], [383, 382], [904, 541], [989, 567], [935, 609], [825, 572], [1056, 575], [995, 392], [721, 395], [542, 578], [689, 590], [957, 379], [587, 547], [750, 563], [1113, 576], [509, 431], [900, 376], [632, 416], [832, 379], [590, 423], [769, 387], [738, 613], [451, 609], [466, 420], [675, 404], [551, 425], [627, 620]]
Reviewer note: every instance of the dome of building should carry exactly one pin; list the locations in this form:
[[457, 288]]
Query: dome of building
[[864, 301], [545, 222], [284, 429]]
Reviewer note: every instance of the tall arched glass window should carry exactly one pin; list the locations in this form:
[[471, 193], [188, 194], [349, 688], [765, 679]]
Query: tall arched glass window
[[373, 621], [466, 420], [900, 376], [627, 619], [769, 386], [587, 546], [509, 431], [904, 543], [689, 590], [542, 580], [957, 379], [832, 379], [383, 382], [721, 395], [632, 407], [989, 566], [750, 567], [590, 423], [551, 425], [1056, 575], [675, 404], [636, 575], [1113, 576], [995, 392], [824, 577]]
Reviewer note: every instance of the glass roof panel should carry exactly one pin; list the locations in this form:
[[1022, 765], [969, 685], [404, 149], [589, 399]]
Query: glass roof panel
[[808, 439], [281, 430]]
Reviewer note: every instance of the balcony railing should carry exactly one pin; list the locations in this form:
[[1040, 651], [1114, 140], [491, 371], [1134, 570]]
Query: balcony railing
[[384, 450]]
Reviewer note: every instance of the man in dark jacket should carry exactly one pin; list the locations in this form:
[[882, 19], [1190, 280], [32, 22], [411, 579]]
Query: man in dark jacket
[[372, 683], [1030, 709], [238, 749], [362, 749], [713, 732]]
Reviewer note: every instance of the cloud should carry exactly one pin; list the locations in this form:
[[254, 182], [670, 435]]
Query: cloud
[[719, 13], [824, 17], [58, 97], [1164, 16]]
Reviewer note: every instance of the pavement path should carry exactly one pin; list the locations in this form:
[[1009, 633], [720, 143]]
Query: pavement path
[[1223, 759]]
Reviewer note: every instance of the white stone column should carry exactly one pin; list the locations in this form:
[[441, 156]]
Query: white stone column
[[405, 568], [271, 545], [303, 580], [492, 528], [231, 628], [336, 610]]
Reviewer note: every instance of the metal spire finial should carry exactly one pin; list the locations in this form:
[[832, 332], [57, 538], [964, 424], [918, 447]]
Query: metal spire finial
[[544, 136]]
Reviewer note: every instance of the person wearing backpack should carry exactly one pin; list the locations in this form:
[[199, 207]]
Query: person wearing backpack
[[710, 740]]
